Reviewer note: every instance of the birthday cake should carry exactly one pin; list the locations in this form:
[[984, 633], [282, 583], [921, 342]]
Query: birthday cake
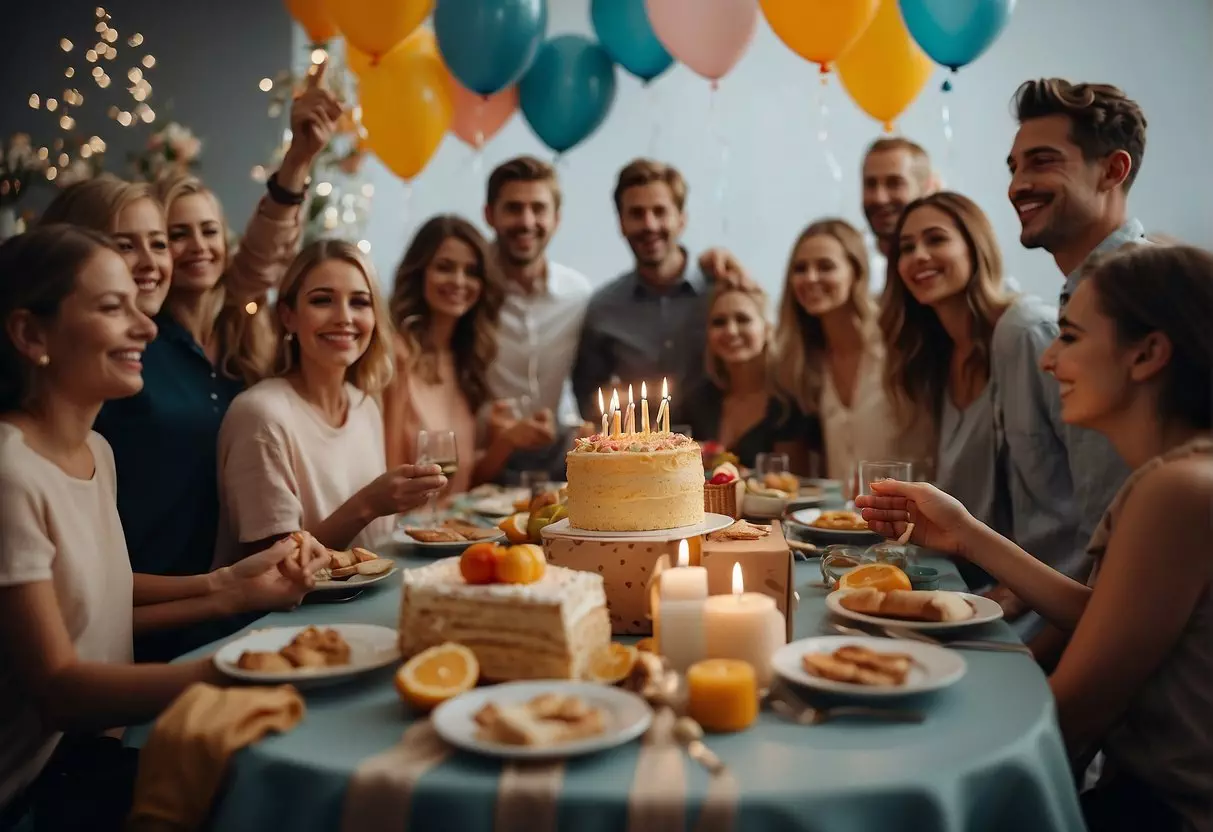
[[635, 482], [542, 630]]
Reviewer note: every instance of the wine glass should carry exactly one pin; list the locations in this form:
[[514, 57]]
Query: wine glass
[[437, 447]]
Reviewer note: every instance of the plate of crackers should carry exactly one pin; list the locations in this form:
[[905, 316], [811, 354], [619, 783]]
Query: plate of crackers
[[353, 569], [308, 656], [868, 667], [914, 609], [452, 534], [542, 719]]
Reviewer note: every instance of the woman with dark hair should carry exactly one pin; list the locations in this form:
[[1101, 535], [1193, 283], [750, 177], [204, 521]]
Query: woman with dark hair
[[73, 338], [963, 355], [1134, 361], [444, 305]]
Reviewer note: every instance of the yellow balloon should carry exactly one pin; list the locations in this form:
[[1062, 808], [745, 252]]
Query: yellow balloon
[[406, 109], [375, 26], [885, 70], [422, 40], [820, 31], [314, 18]]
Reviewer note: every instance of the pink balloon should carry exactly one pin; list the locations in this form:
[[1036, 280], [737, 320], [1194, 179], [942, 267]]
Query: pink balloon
[[709, 36], [477, 118]]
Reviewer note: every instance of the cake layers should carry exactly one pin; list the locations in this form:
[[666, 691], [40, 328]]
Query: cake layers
[[653, 481], [545, 630]]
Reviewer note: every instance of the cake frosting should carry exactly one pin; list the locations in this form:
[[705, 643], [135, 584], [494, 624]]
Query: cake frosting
[[635, 482], [544, 630]]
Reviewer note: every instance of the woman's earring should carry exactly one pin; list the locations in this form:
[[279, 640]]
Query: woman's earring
[[43, 360], [290, 336]]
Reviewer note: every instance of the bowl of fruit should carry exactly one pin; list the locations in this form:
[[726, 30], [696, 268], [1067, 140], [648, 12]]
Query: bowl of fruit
[[722, 493]]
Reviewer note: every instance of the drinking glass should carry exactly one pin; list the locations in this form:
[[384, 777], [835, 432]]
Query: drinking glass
[[437, 447], [770, 463], [873, 471]]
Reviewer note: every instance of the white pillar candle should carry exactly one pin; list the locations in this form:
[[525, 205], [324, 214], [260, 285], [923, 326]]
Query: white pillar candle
[[679, 619], [744, 625]]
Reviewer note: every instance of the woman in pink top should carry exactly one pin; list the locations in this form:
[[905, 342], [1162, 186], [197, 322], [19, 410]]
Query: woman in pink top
[[304, 450], [74, 337], [445, 303]]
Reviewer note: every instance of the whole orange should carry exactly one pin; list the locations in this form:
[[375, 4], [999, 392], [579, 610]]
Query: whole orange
[[478, 563]]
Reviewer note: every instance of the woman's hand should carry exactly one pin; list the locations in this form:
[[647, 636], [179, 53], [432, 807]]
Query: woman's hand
[[314, 117], [719, 265], [535, 432], [940, 521], [276, 578], [403, 489]]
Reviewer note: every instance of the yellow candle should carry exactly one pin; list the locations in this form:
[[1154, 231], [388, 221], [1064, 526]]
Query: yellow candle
[[644, 408], [665, 406], [629, 424], [602, 410], [722, 694], [614, 412]]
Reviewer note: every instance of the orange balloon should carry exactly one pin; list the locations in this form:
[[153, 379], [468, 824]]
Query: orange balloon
[[406, 107], [376, 26], [421, 40], [820, 31], [885, 70], [314, 18], [478, 118]]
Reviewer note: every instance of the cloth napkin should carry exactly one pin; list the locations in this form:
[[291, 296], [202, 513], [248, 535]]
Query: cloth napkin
[[186, 756]]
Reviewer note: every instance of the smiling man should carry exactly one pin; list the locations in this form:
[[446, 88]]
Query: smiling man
[[651, 322], [896, 171]]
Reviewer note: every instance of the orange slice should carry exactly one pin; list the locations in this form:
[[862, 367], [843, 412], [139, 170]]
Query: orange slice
[[515, 527], [883, 576], [611, 663], [435, 675], [647, 645], [521, 564]]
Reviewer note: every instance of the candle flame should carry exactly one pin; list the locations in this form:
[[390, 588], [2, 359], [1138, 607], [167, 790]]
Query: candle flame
[[601, 405], [684, 553], [738, 585], [630, 399], [644, 391], [665, 389], [614, 400]]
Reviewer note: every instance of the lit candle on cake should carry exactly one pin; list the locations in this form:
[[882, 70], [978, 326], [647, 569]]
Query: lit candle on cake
[[722, 694], [665, 406], [744, 625], [644, 408], [629, 422], [602, 410], [679, 619], [614, 412]]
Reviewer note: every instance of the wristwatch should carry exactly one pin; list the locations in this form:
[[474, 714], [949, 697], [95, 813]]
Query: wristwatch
[[281, 195]]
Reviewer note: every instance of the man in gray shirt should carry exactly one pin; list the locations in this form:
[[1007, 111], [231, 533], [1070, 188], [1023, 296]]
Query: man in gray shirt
[[650, 323]]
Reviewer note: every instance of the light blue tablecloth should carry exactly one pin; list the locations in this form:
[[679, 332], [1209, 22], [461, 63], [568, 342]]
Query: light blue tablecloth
[[989, 758]]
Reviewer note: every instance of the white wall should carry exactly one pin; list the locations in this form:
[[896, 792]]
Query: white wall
[[777, 178]]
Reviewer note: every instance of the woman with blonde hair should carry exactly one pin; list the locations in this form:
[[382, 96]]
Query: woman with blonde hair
[[214, 340], [445, 303], [830, 357], [304, 450], [132, 216], [737, 404], [964, 356]]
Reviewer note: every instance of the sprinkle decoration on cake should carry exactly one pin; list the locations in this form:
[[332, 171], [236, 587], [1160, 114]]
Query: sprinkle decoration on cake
[[635, 482]]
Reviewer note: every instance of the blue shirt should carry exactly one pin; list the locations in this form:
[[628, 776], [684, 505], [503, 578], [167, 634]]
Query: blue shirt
[[634, 332]]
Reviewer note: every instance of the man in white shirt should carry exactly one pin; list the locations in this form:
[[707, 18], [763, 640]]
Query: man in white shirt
[[541, 318]]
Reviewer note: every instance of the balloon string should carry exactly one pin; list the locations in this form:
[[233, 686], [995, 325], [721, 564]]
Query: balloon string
[[722, 145], [406, 206], [949, 153], [655, 116], [823, 139]]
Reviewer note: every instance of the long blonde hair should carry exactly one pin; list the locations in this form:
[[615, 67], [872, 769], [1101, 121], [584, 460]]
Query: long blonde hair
[[243, 327], [800, 343], [96, 203], [474, 342], [373, 370], [919, 349]]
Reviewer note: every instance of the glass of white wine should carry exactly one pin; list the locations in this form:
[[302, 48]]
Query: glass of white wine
[[437, 447]]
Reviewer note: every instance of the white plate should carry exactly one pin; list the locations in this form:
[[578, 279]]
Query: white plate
[[402, 537], [500, 504], [371, 647], [984, 610], [806, 516], [627, 716], [933, 667], [711, 523], [354, 581], [771, 508]]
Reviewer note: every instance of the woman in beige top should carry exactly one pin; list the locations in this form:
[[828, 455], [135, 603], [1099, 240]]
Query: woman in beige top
[[445, 303], [304, 450], [73, 338], [830, 355], [1134, 361]]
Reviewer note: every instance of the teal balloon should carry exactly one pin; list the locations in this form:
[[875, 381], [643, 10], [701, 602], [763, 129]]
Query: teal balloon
[[955, 32], [623, 29], [488, 44], [568, 91]]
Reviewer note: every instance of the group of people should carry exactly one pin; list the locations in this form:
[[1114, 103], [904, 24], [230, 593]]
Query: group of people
[[173, 408]]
